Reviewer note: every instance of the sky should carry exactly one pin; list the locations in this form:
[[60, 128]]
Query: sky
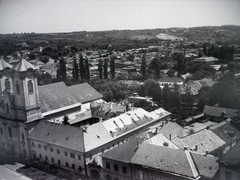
[[43, 16]]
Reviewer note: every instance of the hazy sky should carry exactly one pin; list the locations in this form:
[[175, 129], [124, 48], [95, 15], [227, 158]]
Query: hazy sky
[[92, 15]]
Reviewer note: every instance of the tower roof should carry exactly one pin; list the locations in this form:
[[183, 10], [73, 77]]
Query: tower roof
[[4, 65], [23, 65]]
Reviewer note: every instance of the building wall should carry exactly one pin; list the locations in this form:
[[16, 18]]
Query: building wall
[[228, 174], [123, 170], [57, 156]]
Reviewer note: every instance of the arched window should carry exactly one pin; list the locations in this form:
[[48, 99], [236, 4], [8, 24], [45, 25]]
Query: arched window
[[17, 88], [30, 86], [7, 84]]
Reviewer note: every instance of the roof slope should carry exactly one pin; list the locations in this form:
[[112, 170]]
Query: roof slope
[[225, 131], [95, 136], [84, 92], [232, 157], [205, 140], [171, 128], [219, 111], [60, 135], [23, 65], [4, 65], [55, 96], [123, 152], [207, 165], [163, 159]]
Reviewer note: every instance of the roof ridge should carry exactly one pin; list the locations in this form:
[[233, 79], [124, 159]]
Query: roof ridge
[[192, 164]]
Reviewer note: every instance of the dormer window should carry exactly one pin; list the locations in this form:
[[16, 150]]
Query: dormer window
[[30, 86], [7, 84], [17, 88]]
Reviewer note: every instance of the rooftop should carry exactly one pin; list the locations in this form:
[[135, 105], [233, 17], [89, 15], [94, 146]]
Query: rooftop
[[232, 157], [23, 65], [170, 79], [65, 136], [220, 112]]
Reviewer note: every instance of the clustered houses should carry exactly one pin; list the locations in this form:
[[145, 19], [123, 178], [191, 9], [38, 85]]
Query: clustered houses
[[130, 144]]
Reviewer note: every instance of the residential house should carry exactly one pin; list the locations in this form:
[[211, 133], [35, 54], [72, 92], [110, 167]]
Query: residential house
[[170, 81], [58, 145]]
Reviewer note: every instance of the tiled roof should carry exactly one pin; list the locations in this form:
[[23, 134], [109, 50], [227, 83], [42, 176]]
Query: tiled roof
[[123, 152], [225, 131], [55, 96], [219, 111], [232, 157], [171, 128], [23, 65], [164, 159], [205, 140], [60, 135], [207, 165], [96, 135], [4, 65], [84, 92]]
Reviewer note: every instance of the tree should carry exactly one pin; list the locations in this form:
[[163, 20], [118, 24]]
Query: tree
[[62, 70], [180, 64], [87, 70], [65, 120], [75, 72], [82, 67], [105, 68], [100, 68], [143, 67], [112, 67]]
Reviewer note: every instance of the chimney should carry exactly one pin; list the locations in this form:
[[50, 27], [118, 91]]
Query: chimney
[[206, 153], [185, 148], [223, 113], [170, 137], [165, 144], [195, 148]]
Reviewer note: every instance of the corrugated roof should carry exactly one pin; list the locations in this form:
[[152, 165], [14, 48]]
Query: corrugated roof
[[123, 152], [219, 111], [84, 92], [205, 140], [4, 65], [55, 96], [60, 135], [164, 159], [23, 65]]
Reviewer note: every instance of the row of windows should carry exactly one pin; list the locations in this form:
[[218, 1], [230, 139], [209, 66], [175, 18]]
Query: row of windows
[[10, 133], [72, 155], [29, 84], [115, 168], [59, 162]]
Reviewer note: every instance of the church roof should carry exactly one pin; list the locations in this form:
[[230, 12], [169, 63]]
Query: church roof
[[4, 65], [23, 65], [55, 96]]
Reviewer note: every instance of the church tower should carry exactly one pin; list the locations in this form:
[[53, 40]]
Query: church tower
[[19, 105]]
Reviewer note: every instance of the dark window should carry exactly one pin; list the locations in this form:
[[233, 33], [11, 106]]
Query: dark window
[[39, 145], [228, 175], [1, 130], [58, 151], [124, 169], [115, 167], [23, 138], [90, 156], [10, 132], [67, 164], [108, 165], [7, 84], [102, 150], [32, 144], [59, 162], [17, 88], [3, 144], [80, 168], [52, 159], [65, 153], [72, 155], [45, 147], [40, 155], [30, 86], [7, 108], [46, 158], [51, 149], [79, 157], [73, 166]]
